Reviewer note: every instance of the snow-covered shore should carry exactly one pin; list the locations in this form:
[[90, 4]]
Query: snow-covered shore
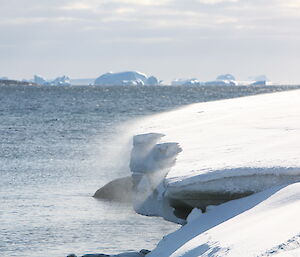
[[224, 150]]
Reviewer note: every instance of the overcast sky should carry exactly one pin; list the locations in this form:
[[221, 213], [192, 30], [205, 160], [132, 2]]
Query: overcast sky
[[166, 38]]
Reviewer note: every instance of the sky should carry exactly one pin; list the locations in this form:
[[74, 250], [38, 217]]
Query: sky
[[166, 38]]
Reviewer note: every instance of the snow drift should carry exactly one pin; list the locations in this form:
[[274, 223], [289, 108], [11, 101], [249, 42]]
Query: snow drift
[[230, 149], [237, 160], [263, 224]]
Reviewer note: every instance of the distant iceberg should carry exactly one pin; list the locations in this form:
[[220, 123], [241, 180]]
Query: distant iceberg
[[186, 82], [225, 77], [220, 83], [39, 80], [127, 78], [59, 81], [222, 80], [259, 83]]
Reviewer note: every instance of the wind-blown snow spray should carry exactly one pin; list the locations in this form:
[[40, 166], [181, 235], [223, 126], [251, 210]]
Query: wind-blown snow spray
[[150, 163]]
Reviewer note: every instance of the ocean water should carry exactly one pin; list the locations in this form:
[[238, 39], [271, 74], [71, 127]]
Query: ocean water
[[58, 145]]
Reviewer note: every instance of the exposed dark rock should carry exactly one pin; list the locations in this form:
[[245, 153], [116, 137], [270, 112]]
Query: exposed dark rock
[[145, 251], [96, 255], [186, 201], [117, 190], [16, 83], [141, 253]]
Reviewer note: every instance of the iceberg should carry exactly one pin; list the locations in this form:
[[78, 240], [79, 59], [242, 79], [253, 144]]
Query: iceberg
[[225, 77], [186, 82], [127, 78], [220, 83], [222, 80], [259, 83], [59, 81], [39, 80]]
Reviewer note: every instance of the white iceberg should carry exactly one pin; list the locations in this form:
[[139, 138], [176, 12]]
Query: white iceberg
[[59, 81], [222, 80], [126, 78], [220, 83], [186, 82], [259, 83], [225, 77], [39, 80]]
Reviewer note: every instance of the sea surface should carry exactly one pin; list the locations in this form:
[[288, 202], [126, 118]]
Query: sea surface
[[58, 145]]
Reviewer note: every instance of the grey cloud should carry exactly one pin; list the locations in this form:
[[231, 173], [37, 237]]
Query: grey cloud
[[208, 38]]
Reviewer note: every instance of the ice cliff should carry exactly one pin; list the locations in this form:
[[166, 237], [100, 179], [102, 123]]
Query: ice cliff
[[126, 78]]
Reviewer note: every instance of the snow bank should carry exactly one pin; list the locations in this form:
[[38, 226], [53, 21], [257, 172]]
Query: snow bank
[[263, 224], [231, 140], [228, 149], [245, 148]]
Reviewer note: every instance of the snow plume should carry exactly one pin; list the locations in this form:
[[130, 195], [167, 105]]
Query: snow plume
[[150, 164]]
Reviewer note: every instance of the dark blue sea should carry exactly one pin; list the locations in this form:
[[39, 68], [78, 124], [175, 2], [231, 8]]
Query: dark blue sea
[[58, 145]]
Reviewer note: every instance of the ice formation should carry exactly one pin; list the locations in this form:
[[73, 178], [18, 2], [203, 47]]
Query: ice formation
[[263, 224], [59, 81], [186, 82], [126, 78], [39, 80], [220, 83], [150, 163], [231, 149], [246, 148], [225, 77]]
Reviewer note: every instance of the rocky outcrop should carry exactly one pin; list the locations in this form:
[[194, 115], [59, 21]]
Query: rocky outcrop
[[141, 253], [117, 190], [9, 82]]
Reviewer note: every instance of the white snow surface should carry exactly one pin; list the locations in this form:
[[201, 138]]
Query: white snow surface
[[236, 145], [263, 224], [233, 146]]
